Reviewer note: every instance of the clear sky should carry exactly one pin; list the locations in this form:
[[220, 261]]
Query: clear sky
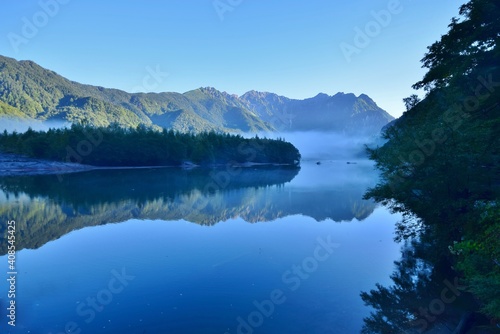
[[292, 48]]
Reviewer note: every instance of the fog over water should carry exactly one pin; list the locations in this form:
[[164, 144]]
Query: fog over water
[[20, 126], [313, 145], [212, 252], [320, 145]]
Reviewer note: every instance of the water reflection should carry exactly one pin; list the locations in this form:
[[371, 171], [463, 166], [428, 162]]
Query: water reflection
[[190, 278], [51, 207], [426, 295]]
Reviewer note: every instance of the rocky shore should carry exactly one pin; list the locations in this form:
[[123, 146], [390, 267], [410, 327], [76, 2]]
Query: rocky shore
[[13, 164]]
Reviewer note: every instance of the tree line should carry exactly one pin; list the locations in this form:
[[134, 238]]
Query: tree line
[[441, 167], [142, 146]]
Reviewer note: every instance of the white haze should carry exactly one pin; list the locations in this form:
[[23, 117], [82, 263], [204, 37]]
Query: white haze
[[20, 126], [313, 145], [316, 145]]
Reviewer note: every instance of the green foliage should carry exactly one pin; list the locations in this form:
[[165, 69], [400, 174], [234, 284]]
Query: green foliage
[[411, 101], [471, 43], [479, 258], [9, 111], [143, 146], [44, 95], [441, 161]]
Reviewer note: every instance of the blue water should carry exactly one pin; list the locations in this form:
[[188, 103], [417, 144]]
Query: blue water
[[292, 274]]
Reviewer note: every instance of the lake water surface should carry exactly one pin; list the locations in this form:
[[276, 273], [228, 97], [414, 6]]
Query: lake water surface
[[200, 251]]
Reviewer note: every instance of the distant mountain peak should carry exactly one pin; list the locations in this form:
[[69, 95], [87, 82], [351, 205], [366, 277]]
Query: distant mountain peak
[[28, 89], [209, 90], [365, 98], [342, 94], [260, 94], [216, 93], [322, 95]]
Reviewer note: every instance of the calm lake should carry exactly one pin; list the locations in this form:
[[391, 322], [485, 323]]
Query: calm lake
[[253, 250]]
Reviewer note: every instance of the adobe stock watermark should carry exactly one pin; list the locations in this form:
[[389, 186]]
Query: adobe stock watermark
[[453, 118], [364, 36], [438, 305], [31, 26], [223, 6], [88, 309], [292, 279], [152, 80]]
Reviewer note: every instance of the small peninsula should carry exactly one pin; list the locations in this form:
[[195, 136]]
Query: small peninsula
[[116, 146]]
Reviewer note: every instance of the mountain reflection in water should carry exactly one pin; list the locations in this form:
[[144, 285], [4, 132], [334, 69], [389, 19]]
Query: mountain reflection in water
[[52, 206]]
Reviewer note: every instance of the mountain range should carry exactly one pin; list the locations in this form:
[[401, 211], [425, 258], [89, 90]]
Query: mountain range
[[30, 91]]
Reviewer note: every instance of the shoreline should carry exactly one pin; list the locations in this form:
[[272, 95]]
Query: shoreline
[[18, 165], [15, 165]]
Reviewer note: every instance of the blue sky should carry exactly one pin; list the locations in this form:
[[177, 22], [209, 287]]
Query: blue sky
[[292, 48]]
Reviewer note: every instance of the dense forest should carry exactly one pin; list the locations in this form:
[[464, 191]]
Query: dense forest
[[143, 146], [440, 169]]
